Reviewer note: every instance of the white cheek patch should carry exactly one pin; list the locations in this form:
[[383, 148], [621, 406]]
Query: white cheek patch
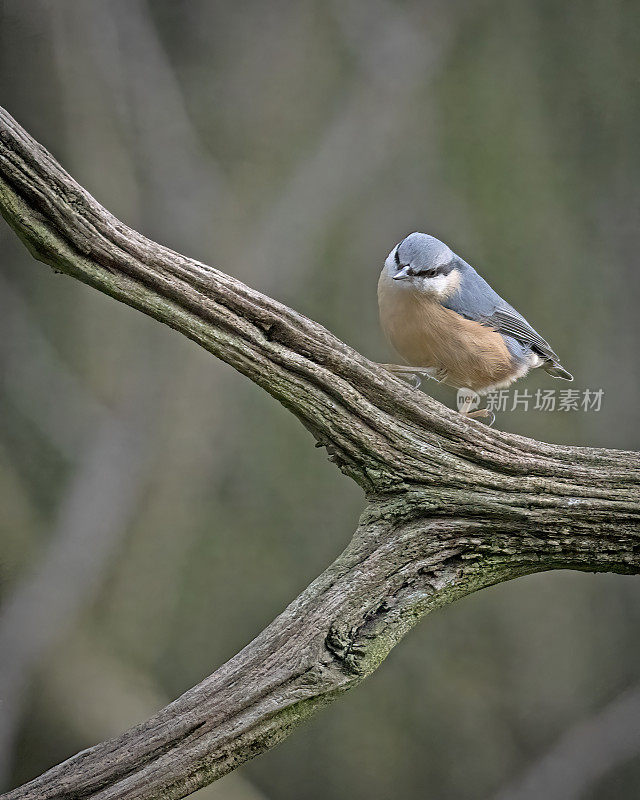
[[441, 285]]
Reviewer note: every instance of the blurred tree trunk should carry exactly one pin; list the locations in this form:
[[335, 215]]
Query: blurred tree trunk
[[452, 506]]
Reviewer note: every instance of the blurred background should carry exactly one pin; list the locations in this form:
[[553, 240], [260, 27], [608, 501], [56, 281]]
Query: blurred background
[[158, 510]]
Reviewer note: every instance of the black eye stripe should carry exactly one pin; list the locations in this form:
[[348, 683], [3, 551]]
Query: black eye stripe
[[397, 256], [430, 272]]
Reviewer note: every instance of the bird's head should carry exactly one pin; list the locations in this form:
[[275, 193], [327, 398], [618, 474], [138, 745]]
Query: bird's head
[[423, 263]]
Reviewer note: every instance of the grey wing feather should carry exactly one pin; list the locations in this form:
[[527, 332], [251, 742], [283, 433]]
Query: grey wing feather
[[476, 300], [510, 323]]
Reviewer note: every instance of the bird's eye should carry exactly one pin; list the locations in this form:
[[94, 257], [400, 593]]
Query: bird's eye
[[397, 256]]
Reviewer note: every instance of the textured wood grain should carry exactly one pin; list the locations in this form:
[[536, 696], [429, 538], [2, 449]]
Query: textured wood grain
[[452, 506]]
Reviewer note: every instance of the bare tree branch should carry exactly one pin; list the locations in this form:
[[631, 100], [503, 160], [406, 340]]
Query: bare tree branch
[[452, 506], [183, 193], [39, 382], [92, 517], [97, 694], [95, 510], [584, 754], [394, 60]]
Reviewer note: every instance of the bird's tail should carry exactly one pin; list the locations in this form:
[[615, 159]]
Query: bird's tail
[[557, 370]]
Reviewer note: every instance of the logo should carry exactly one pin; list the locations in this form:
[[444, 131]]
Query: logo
[[467, 400], [525, 400]]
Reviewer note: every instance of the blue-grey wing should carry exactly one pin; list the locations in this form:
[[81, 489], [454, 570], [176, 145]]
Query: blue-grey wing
[[476, 300]]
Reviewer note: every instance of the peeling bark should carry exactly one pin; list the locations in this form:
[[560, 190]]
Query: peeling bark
[[452, 506]]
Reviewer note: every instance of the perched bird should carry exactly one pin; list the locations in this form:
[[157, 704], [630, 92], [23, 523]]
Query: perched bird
[[446, 321]]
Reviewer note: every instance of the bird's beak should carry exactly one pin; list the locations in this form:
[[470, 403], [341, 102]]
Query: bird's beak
[[402, 275]]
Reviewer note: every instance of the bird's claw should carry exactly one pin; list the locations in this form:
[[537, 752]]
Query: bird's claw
[[410, 376], [438, 375], [484, 414]]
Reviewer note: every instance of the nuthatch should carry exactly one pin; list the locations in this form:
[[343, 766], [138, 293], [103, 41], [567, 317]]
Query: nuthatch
[[446, 322]]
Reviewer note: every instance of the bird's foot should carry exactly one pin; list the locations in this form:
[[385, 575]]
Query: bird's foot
[[407, 375], [481, 413], [414, 375]]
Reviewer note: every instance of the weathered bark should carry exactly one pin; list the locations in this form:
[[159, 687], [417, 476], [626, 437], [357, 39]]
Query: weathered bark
[[452, 506]]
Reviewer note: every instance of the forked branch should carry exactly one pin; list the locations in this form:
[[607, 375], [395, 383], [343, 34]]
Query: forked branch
[[452, 506]]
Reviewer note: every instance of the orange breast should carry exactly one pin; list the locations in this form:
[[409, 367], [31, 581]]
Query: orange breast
[[426, 334]]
